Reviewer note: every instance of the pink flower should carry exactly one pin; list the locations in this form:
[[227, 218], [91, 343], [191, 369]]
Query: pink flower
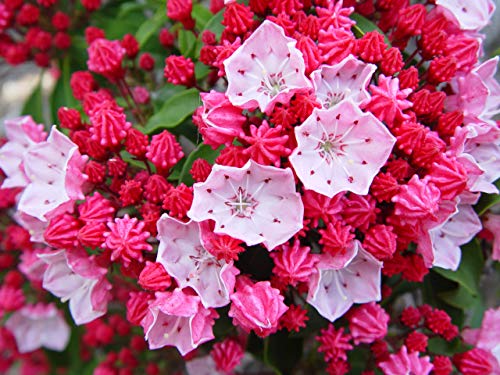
[[343, 280], [368, 323], [417, 201], [178, 319], [257, 307], [109, 124], [267, 145], [54, 169], [37, 326], [255, 203], [227, 354], [266, 69], [164, 151], [334, 343], [470, 15], [486, 337], [403, 363], [184, 257], [22, 134], [340, 149], [105, 57], [127, 239], [294, 263], [492, 223], [75, 277], [219, 121], [388, 102], [346, 80]]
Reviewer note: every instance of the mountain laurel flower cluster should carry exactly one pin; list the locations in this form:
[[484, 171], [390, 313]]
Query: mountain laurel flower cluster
[[251, 187]]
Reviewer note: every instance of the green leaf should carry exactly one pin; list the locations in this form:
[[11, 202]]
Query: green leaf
[[62, 96], [215, 24], [487, 201], [187, 41], [34, 105], [282, 352], [150, 26], [174, 111], [469, 272], [127, 8], [201, 15], [364, 26], [460, 298], [201, 152], [473, 305]]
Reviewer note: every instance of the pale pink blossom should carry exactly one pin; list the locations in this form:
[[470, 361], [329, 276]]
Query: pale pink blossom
[[340, 149], [184, 257], [486, 337], [255, 203], [203, 365], [75, 277], [492, 223], [354, 277], [22, 134], [346, 80], [476, 93], [470, 15], [37, 326], [54, 169], [482, 144], [368, 323], [266, 69], [219, 121], [31, 265], [178, 319], [34, 226], [257, 307], [402, 363], [446, 238], [475, 147]]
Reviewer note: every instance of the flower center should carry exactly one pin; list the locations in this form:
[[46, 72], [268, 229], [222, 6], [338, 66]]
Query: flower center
[[330, 147], [333, 98], [272, 84], [242, 204]]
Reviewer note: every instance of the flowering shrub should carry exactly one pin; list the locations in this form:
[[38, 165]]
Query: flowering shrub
[[261, 186]]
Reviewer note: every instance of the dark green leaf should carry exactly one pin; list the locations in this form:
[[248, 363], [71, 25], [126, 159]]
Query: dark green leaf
[[282, 352], [187, 42], [215, 25], [164, 93], [487, 201], [471, 267], [459, 298], [174, 111], [201, 15], [34, 105], [150, 26], [127, 8], [364, 26], [62, 96], [440, 346], [471, 304], [201, 152]]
